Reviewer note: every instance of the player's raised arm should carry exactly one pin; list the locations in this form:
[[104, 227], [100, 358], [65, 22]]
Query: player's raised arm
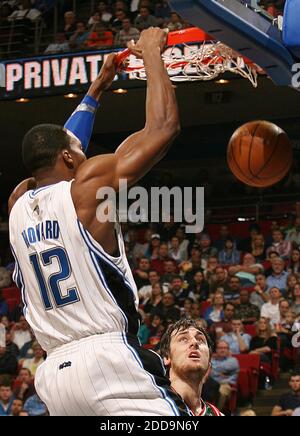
[[141, 151]]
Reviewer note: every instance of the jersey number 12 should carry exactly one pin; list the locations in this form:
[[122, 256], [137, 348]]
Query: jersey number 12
[[52, 285]]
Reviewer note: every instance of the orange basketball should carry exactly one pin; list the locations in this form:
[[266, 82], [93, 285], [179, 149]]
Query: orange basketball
[[259, 154]]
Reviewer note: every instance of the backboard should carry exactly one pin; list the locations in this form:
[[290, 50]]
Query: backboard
[[244, 27]]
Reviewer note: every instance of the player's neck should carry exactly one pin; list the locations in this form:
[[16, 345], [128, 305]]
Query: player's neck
[[190, 390], [51, 177]]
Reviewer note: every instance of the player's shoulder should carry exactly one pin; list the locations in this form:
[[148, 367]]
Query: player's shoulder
[[19, 192]]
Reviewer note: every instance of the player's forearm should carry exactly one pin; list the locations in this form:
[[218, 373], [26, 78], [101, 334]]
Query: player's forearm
[[161, 105], [96, 89]]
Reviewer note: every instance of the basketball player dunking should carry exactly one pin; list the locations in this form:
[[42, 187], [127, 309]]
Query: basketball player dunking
[[78, 291]]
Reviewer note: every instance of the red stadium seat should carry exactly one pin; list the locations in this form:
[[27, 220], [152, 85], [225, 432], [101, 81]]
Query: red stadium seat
[[12, 292], [250, 329], [12, 303], [233, 399], [204, 305], [249, 364]]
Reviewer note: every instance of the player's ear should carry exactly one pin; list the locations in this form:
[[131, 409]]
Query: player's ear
[[167, 362], [68, 159]]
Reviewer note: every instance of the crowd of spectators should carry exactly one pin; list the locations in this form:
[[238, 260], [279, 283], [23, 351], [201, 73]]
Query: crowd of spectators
[[245, 291], [114, 23], [118, 22]]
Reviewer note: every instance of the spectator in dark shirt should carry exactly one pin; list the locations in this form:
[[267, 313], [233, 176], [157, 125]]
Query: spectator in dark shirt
[[264, 342], [218, 329], [141, 274], [207, 250], [291, 401], [294, 265], [145, 20], [16, 407], [11, 347], [79, 37], [16, 312], [192, 266], [199, 287], [258, 248], [178, 291], [154, 304], [232, 295], [23, 386], [8, 362], [70, 24], [224, 235], [162, 11], [247, 312], [292, 280], [169, 311], [246, 244], [170, 270], [220, 280]]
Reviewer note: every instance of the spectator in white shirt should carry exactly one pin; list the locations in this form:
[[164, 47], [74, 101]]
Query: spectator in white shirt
[[146, 291], [105, 15], [271, 310], [37, 359], [175, 252], [21, 332], [60, 45], [175, 22], [247, 271]]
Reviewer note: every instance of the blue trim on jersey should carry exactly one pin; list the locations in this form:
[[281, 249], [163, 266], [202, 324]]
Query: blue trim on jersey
[[104, 284], [88, 241], [162, 390], [32, 194]]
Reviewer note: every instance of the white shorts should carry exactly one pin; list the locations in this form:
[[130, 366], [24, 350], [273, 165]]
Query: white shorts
[[104, 376]]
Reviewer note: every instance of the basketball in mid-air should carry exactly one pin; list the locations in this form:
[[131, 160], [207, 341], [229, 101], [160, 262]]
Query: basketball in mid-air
[[259, 154]]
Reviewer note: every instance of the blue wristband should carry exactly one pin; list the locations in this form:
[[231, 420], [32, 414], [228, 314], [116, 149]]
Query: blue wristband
[[81, 122]]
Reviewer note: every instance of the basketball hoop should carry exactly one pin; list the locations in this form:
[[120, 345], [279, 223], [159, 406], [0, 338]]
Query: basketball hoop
[[192, 56]]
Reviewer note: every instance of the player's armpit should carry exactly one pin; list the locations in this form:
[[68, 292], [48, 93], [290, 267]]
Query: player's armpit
[[20, 190]]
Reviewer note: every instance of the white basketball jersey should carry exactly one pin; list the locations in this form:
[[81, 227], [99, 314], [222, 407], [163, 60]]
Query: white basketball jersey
[[71, 288]]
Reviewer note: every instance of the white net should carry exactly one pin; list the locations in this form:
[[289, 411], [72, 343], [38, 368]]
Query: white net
[[193, 63]]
